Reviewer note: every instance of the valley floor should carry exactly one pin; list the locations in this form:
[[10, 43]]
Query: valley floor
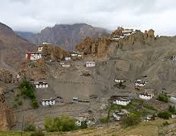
[[153, 128]]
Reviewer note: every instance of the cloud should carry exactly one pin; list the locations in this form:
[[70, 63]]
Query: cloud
[[34, 15]]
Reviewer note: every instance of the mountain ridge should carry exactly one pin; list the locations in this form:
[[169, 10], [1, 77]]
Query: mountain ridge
[[65, 35]]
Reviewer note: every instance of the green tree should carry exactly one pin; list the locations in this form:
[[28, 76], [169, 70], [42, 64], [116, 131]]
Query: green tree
[[28, 90]]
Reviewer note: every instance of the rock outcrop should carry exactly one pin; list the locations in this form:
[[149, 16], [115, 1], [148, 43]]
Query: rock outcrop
[[96, 47], [37, 70], [123, 38], [54, 53]]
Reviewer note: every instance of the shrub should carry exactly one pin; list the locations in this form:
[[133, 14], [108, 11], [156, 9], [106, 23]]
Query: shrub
[[131, 120], [38, 133], [35, 104], [63, 123], [172, 109], [164, 115], [163, 97], [20, 102], [165, 123], [29, 127], [14, 105], [83, 125], [104, 120]]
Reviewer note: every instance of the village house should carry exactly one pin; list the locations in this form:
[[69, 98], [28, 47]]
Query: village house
[[52, 101], [74, 54], [145, 96], [90, 64], [40, 48], [45, 43], [48, 102], [80, 120], [120, 100], [127, 31], [117, 115], [172, 99], [76, 99], [79, 55], [140, 83], [121, 37], [87, 120], [149, 117], [116, 38], [173, 58], [33, 56], [65, 65], [119, 81], [41, 84], [67, 58]]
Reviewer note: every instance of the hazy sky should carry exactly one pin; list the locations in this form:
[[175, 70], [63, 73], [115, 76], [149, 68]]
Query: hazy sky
[[34, 15]]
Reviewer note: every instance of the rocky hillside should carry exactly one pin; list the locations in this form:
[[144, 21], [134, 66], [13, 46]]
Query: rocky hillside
[[6, 114], [66, 36], [138, 55], [99, 46], [38, 70], [95, 47], [12, 48]]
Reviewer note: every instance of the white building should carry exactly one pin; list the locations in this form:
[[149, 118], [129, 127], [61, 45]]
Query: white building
[[48, 102], [74, 54], [40, 48], [41, 85], [90, 64], [145, 96], [79, 55], [127, 31], [172, 99], [45, 43], [116, 38], [173, 58], [75, 99], [119, 81], [65, 65], [79, 121], [122, 101], [67, 58], [128, 34], [116, 117], [33, 56], [140, 83]]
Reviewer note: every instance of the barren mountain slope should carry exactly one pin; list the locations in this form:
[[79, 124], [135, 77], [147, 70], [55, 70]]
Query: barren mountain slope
[[12, 48]]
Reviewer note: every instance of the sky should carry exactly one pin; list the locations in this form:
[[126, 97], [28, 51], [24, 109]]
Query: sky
[[34, 15]]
